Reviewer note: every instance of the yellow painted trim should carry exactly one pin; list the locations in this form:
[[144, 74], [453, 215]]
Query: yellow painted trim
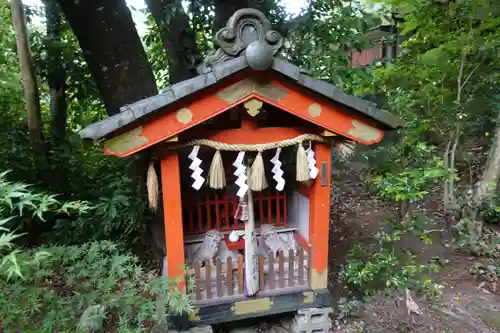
[[364, 132], [253, 106], [309, 297], [184, 116], [173, 139], [194, 314], [328, 133], [125, 142], [319, 280], [314, 110], [244, 88], [252, 306]]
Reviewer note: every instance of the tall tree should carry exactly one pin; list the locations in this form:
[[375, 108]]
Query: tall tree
[[178, 37], [56, 72], [30, 86], [112, 49], [179, 32], [225, 8]]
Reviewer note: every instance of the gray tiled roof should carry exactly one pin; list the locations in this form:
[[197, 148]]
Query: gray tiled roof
[[240, 47], [132, 112]]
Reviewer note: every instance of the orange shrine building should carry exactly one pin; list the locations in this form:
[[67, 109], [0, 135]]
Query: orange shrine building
[[245, 160]]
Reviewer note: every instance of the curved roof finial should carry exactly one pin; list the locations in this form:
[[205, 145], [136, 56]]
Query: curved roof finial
[[246, 26]]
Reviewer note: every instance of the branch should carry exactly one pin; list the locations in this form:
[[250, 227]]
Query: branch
[[460, 75], [470, 75]]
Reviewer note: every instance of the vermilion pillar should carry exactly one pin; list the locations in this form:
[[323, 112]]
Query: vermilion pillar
[[172, 212], [319, 217]]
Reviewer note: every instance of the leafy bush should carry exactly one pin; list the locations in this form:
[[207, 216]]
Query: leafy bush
[[383, 265], [49, 288], [487, 245], [54, 286], [489, 272]]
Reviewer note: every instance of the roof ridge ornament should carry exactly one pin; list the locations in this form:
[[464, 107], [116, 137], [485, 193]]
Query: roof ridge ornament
[[246, 27]]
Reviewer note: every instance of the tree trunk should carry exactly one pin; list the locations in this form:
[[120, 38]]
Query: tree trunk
[[224, 9], [56, 75], [178, 37], [116, 58], [30, 88], [485, 188], [113, 50]]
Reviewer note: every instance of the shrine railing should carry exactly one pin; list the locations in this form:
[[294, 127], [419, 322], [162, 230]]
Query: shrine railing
[[287, 270], [215, 210]]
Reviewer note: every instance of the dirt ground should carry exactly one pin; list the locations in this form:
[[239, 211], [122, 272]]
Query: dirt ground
[[464, 308], [357, 216]]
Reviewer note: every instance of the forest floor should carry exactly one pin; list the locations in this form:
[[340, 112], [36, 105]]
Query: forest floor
[[464, 308], [357, 216]]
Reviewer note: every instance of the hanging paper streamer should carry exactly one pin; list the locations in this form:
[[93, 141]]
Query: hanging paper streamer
[[195, 166], [241, 211], [278, 173], [240, 172], [313, 170]]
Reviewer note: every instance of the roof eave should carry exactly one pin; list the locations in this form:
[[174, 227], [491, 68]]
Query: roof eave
[[138, 110], [336, 94]]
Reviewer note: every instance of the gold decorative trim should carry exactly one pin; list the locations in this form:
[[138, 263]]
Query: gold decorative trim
[[252, 306], [173, 139], [314, 110], [253, 106], [319, 280], [308, 297], [328, 133], [184, 116], [364, 132], [194, 315], [125, 142], [244, 88]]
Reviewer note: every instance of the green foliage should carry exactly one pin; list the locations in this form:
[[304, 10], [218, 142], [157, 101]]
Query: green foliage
[[81, 169], [445, 68], [488, 272], [48, 288], [348, 306], [323, 43], [383, 265], [411, 185], [483, 245], [59, 283], [18, 199]]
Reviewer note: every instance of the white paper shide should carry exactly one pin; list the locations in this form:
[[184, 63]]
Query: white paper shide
[[277, 171], [313, 170], [195, 167], [240, 172]]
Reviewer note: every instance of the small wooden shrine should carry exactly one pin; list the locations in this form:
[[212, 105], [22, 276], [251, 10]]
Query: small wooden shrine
[[245, 153]]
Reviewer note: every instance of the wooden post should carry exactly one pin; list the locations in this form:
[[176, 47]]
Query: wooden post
[[197, 275], [229, 268], [208, 278], [271, 270], [319, 218], [218, 277], [240, 275], [301, 266], [172, 216], [281, 265]]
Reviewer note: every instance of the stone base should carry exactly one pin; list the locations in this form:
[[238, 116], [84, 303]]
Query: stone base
[[198, 329], [311, 320]]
